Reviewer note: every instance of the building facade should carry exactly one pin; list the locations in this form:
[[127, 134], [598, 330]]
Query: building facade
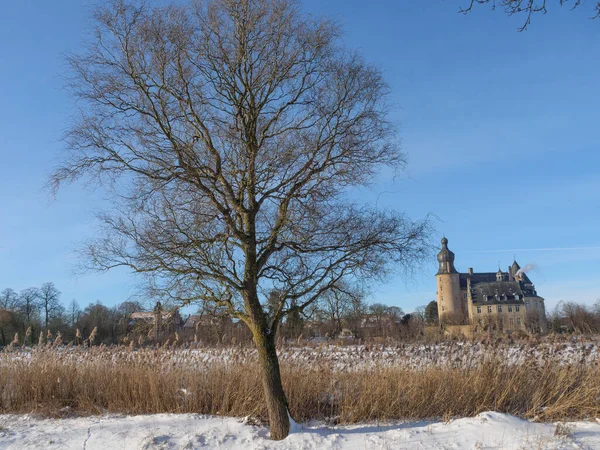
[[487, 301]]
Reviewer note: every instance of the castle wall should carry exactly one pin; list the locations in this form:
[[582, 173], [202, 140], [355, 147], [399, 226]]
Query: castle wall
[[486, 317]]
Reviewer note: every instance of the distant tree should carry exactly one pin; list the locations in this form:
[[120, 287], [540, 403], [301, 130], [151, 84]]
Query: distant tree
[[29, 304], [395, 312], [379, 314], [74, 312], [49, 302], [419, 313], [356, 315], [9, 299], [104, 319], [129, 307], [527, 7], [431, 313], [379, 309], [333, 306], [294, 322], [9, 325], [231, 131]]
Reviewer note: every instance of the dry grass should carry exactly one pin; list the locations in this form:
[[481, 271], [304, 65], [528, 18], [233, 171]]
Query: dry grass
[[45, 380]]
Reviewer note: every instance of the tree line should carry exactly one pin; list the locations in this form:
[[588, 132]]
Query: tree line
[[343, 312], [340, 314], [33, 311]]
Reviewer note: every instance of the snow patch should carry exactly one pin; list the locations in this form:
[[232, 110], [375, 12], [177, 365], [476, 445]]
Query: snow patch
[[489, 430]]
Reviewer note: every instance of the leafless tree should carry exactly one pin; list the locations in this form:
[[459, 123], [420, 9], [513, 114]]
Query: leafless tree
[[49, 302], [527, 7], [74, 312], [230, 132], [9, 299], [29, 304], [336, 304]]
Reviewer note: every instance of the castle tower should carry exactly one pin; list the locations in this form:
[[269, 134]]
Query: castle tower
[[448, 288]]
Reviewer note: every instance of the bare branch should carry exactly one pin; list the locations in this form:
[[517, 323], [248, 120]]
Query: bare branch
[[526, 7]]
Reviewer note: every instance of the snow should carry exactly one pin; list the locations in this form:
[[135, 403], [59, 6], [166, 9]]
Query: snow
[[338, 358], [488, 430]]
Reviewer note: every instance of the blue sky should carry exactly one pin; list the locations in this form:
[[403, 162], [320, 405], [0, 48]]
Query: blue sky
[[500, 128]]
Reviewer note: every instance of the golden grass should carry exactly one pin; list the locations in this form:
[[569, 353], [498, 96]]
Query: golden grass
[[45, 381]]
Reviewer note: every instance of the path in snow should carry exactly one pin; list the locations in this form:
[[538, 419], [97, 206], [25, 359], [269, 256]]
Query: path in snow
[[188, 431]]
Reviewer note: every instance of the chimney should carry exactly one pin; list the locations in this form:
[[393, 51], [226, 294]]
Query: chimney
[[470, 270], [510, 274]]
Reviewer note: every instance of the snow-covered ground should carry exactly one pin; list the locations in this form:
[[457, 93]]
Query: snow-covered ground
[[337, 358], [187, 431]]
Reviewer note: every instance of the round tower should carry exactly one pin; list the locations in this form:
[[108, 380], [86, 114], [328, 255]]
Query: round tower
[[448, 288]]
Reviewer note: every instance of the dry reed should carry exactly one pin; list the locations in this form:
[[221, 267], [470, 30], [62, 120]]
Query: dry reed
[[53, 380]]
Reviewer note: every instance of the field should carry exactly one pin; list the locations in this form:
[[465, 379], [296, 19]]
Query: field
[[541, 380]]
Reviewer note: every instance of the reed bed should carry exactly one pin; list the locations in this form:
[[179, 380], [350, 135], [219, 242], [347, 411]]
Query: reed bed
[[66, 380], [326, 356]]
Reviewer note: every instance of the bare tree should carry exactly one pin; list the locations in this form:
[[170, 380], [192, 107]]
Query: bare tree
[[74, 312], [335, 305], [379, 317], [9, 299], [356, 316], [527, 7], [29, 304], [229, 132], [49, 302], [129, 307]]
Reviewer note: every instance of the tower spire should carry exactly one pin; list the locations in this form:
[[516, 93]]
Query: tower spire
[[446, 259]]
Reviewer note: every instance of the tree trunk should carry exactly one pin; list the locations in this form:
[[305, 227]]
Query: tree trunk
[[271, 377]]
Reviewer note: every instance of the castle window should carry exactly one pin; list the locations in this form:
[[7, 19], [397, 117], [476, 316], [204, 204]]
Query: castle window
[[518, 321], [499, 308], [526, 305], [517, 297], [489, 309], [479, 310], [509, 308], [512, 322], [517, 308]]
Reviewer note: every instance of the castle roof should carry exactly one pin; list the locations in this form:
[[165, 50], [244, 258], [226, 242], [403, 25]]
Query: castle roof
[[481, 277], [485, 288], [497, 292]]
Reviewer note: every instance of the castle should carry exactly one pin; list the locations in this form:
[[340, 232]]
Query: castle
[[487, 301]]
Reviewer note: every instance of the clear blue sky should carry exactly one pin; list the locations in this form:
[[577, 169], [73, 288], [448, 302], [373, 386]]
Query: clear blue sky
[[500, 127]]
